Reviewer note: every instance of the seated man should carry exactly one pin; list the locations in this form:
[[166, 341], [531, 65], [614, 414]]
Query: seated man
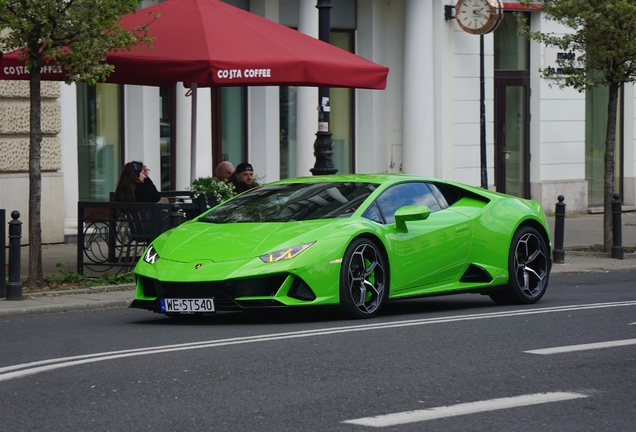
[[224, 170], [243, 178]]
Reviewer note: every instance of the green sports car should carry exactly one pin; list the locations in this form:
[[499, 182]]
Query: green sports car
[[351, 240]]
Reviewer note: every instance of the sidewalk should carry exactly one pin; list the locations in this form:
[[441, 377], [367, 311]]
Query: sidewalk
[[580, 230]]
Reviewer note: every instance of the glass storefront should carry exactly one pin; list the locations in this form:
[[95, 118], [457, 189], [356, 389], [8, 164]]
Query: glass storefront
[[166, 137], [511, 50], [515, 133], [233, 124], [287, 96], [512, 108], [341, 100], [341, 120], [99, 140], [596, 101]]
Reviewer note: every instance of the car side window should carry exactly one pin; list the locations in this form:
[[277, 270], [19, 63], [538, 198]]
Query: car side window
[[373, 213], [439, 195], [406, 194]]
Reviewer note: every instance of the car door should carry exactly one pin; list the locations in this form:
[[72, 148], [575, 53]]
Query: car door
[[433, 251]]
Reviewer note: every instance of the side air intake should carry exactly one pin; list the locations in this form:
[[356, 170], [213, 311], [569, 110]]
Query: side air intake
[[476, 274], [301, 291]]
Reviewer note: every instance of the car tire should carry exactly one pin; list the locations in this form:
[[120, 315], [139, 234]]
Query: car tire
[[528, 269], [364, 279]]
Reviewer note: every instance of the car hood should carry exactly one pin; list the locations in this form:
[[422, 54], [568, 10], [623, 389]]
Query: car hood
[[227, 242]]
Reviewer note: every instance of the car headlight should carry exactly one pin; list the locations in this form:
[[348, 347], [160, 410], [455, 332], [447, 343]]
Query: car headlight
[[151, 256], [284, 254]]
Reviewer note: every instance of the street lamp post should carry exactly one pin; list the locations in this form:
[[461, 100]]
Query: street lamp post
[[482, 116], [323, 146]]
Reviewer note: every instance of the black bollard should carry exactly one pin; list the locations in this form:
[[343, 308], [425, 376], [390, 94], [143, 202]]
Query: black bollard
[[617, 244], [559, 222], [14, 287], [175, 216]]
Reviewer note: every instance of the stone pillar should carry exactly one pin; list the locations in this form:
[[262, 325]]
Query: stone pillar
[[184, 128], [68, 138], [142, 128], [419, 112], [264, 113]]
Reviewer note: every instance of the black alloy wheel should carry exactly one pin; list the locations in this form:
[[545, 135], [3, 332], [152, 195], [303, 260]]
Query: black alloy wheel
[[528, 269], [363, 279]]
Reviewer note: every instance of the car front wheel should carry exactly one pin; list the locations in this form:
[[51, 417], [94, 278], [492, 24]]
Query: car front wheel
[[528, 269], [363, 279]]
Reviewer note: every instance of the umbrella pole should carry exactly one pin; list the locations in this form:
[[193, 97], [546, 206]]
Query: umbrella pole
[[193, 133]]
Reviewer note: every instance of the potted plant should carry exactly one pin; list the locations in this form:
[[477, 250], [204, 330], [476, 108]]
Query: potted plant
[[211, 191]]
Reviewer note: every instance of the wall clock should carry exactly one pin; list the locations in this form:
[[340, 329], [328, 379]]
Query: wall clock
[[478, 16]]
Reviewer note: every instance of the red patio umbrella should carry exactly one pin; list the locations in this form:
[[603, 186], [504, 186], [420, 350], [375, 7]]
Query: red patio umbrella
[[209, 43]]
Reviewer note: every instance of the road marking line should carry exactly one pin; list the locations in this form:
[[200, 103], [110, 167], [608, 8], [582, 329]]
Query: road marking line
[[13, 372], [463, 409], [582, 347]]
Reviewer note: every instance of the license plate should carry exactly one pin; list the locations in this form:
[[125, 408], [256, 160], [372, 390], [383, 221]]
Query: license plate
[[187, 306]]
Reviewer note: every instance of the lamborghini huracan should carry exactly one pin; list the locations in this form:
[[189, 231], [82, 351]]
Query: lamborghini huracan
[[355, 241]]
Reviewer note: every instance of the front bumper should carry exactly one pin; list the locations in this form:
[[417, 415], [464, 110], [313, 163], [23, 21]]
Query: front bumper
[[259, 292]]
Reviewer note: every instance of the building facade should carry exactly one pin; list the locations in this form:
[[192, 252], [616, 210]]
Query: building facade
[[540, 141]]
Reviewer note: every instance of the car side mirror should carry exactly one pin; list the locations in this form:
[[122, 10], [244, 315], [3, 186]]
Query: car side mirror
[[410, 213]]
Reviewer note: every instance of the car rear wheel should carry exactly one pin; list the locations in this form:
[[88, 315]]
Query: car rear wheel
[[363, 279], [528, 269]]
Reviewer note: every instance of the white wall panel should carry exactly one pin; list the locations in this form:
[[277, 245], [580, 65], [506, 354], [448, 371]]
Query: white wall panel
[[469, 176], [466, 111], [467, 65], [562, 172], [467, 157], [563, 131], [466, 134], [550, 91], [466, 88], [563, 153], [562, 110]]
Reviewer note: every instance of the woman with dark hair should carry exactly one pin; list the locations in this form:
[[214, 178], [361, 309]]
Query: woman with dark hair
[[135, 186]]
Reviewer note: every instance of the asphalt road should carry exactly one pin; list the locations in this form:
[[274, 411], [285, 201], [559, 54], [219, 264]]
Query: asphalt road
[[458, 363]]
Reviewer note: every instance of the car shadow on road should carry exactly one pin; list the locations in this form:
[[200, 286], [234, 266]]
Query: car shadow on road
[[412, 308]]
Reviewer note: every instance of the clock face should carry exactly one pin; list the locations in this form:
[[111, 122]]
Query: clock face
[[478, 16]]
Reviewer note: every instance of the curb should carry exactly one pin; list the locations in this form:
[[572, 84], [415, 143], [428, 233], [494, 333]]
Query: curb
[[74, 306], [604, 255], [36, 310], [87, 290]]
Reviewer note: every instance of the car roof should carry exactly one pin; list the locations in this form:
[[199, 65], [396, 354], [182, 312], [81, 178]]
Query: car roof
[[387, 179], [361, 178]]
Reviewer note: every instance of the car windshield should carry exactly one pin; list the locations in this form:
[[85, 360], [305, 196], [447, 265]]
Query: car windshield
[[293, 202]]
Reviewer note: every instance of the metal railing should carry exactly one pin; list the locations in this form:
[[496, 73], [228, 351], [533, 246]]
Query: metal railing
[[112, 235]]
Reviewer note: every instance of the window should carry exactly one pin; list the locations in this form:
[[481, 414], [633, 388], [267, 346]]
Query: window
[[99, 146], [596, 101], [512, 52], [293, 202], [229, 128], [404, 194], [166, 137], [287, 101], [340, 120]]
